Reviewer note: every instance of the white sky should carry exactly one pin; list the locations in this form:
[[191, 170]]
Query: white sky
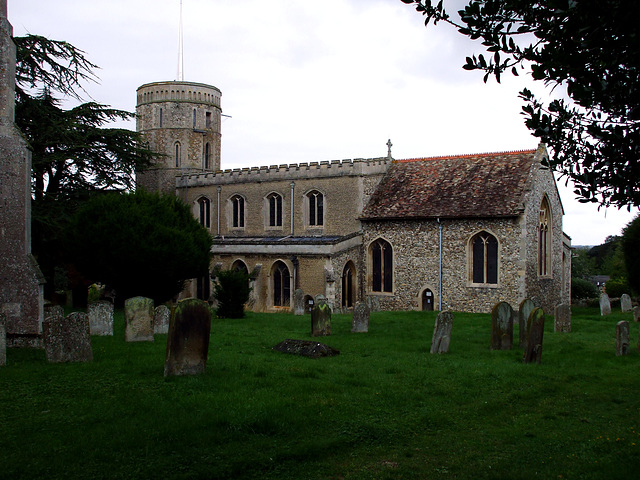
[[309, 81]]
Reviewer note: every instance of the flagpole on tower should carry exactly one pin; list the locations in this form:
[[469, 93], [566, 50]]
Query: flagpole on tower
[[180, 49]]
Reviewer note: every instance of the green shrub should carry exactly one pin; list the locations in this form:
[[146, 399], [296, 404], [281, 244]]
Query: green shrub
[[231, 290], [581, 288], [616, 287]]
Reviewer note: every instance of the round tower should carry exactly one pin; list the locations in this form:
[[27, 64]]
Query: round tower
[[181, 122]]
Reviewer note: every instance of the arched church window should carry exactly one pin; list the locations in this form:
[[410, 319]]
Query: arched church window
[[204, 205], [237, 211], [484, 258], [281, 285], [348, 285], [207, 156], [544, 239], [381, 261], [178, 150], [315, 202], [274, 201]]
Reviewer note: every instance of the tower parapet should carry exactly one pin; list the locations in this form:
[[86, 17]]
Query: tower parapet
[[180, 121]]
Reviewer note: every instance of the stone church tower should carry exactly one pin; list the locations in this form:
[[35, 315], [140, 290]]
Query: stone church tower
[[181, 122]]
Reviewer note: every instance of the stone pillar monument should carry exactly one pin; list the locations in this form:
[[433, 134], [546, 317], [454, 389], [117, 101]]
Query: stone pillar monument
[[21, 282]]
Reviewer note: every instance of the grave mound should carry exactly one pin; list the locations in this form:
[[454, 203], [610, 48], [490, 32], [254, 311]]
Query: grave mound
[[306, 348]]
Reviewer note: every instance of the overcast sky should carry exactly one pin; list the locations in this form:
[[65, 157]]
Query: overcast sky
[[309, 81]]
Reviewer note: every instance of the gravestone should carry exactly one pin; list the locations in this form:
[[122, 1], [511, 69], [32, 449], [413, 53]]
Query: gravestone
[[306, 348], [502, 327], [320, 317], [138, 317], [562, 318], [605, 305], [442, 332], [3, 340], [298, 302], [526, 307], [373, 303], [622, 338], [67, 339], [636, 314], [188, 341], [625, 303], [161, 318], [535, 332], [100, 317], [360, 321]]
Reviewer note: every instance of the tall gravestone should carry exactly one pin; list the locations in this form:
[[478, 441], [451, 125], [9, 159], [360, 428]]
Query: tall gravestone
[[360, 320], [21, 281], [636, 314], [320, 317], [535, 333], [525, 309], [188, 341], [562, 318], [625, 303], [67, 339], [298, 302], [502, 327], [138, 317], [622, 338], [161, 319], [100, 317], [442, 332], [605, 305], [3, 341]]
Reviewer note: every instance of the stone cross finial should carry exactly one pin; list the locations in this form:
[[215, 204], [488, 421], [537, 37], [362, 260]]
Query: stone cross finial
[[389, 145]]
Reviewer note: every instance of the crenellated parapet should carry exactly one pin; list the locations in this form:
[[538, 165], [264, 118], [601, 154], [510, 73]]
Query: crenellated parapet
[[178, 92]]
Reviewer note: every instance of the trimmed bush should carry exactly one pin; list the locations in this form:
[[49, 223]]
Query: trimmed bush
[[616, 287], [231, 290], [581, 288]]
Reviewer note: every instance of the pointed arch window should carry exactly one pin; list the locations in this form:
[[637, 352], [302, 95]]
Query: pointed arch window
[[484, 259], [237, 211], [178, 154], [207, 156], [315, 201], [381, 257], [204, 206], [281, 285], [348, 285], [544, 239], [275, 209]]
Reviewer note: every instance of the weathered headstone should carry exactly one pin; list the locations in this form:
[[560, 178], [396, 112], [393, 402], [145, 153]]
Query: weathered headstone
[[138, 317], [188, 341], [3, 340], [535, 332], [320, 317], [373, 303], [360, 321], [298, 302], [67, 339], [625, 303], [622, 338], [161, 318], [502, 327], [526, 307], [605, 305], [442, 332], [636, 314], [100, 317], [562, 318]]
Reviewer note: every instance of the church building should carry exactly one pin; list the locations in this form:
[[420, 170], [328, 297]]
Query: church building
[[460, 232]]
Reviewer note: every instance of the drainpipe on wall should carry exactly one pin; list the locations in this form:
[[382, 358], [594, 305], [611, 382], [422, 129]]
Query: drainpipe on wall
[[219, 195], [293, 186], [440, 266]]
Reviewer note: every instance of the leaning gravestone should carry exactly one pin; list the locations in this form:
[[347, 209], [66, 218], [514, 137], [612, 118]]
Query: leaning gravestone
[[605, 305], [161, 318], [625, 302], [138, 317], [442, 332], [502, 327], [360, 321], [100, 317], [535, 331], [298, 302], [526, 307], [562, 318], [622, 338], [636, 314], [188, 341], [320, 317], [67, 339], [3, 340]]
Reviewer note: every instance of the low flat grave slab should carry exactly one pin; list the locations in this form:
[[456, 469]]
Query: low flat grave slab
[[306, 348]]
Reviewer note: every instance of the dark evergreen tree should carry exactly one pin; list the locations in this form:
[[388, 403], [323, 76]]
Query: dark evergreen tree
[[231, 290], [630, 248]]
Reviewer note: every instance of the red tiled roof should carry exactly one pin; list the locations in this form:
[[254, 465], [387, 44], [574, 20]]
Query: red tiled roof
[[480, 185]]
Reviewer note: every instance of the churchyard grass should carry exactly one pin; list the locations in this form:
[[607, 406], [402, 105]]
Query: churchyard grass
[[384, 408]]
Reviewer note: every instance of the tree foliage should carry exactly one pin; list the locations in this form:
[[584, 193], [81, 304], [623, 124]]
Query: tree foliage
[[630, 248], [139, 244], [588, 49], [231, 290]]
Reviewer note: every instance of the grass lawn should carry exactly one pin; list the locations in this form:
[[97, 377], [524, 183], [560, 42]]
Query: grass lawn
[[384, 408]]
